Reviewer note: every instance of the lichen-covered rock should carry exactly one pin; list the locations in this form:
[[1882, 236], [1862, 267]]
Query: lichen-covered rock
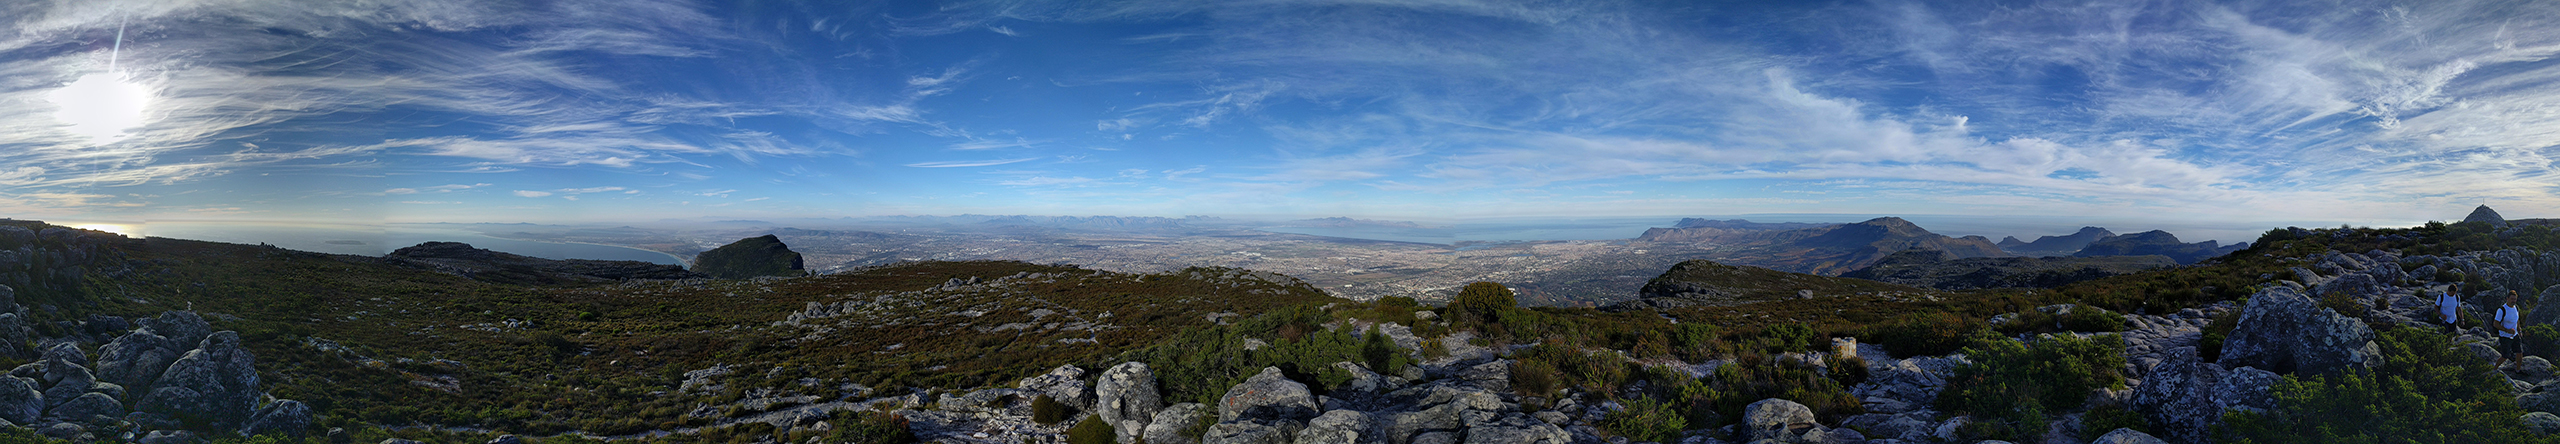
[[2246, 387], [1336, 427], [1064, 384], [2283, 331], [173, 437], [217, 382], [13, 334], [1492, 376], [2178, 397], [183, 328], [1166, 427], [283, 417], [1126, 398], [2542, 422], [1267, 395], [60, 360], [1252, 431], [1516, 428], [1777, 419], [89, 408], [20, 402], [136, 359]]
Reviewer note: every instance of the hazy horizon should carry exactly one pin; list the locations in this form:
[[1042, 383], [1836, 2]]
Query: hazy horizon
[[2186, 114]]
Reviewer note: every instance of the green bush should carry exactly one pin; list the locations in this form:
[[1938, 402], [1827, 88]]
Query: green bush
[[1383, 355], [1047, 411], [1646, 419], [1092, 431], [1719, 398], [2108, 418], [1534, 377], [1927, 334], [874, 428], [2209, 347], [1481, 303], [2082, 318], [2010, 386], [1787, 338], [2424, 392], [1199, 365], [1695, 341]]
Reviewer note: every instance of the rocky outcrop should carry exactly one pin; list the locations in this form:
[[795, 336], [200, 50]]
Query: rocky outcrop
[[2283, 331], [1064, 384], [1698, 283], [183, 328], [1125, 396], [751, 257], [1781, 421], [1267, 395], [1168, 424], [284, 417], [216, 382], [136, 359], [2127, 436], [1337, 427], [20, 402], [492, 266]]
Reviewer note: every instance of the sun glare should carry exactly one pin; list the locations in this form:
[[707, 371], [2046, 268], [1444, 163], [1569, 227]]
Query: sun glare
[[102, 106], [124, 229]]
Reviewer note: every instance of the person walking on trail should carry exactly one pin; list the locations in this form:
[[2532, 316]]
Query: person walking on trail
[[2509, 324], [2447, 308]]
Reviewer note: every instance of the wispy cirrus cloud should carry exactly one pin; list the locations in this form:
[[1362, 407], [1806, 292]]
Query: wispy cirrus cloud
[[970, 163]]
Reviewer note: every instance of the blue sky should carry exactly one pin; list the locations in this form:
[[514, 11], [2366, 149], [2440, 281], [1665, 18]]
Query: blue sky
[[620, 110]]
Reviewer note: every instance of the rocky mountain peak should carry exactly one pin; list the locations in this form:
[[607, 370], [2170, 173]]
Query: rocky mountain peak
[[750, 257], [2484, 214]]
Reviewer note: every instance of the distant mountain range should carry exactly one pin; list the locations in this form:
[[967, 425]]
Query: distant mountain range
[[1834, 249]]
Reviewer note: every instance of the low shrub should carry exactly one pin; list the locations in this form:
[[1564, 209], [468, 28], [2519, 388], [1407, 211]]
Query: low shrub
[[2541, 340], [2108, 418], [1927, 334], [2082, 318], [2010, 386], [1092, 430], [874, 428], [1719, 398], [1534, 377], [2209, 347], [1481, 303], [2424, 391], [1047, 411], [1646, 419]]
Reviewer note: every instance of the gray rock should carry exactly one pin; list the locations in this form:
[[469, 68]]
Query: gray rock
[[2544, 401], [1492, 376], [399, 441], [507, 439], [1509, 434], [1550, 417], [2542, 422], [69, 381], [2177, 397], [2482, 351], [173, 437], [1125, 396], [1002, 400], [89, 407], [19, 401], [1401, 426], [2127, 436], [1436, 438], [1267, 395], [13, 335], [1907, 427], [2283, 331], [2246, 386], [2534, 368], [61, 359], [137, 359], [1338, 427], [217, 382], [283, 417], [1777, 419], [183, 328], [1252, 431], [1362, 380], [1166, 427], [1065, 384], [70, 431]]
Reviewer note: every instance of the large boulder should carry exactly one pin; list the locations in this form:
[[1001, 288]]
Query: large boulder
[[2127, 436], [20, 402], [183, 328], [1252, 431], [2284, 331], [1516, 428], [1125, 396], [2247, 388], [1064, 384], [2177, 397], [1168, 424], [136, 359], [13, 335], [216, 382], [2543, 423], [1336, 427], [64, 360], [284, 417], [1778, 419], [1267, 395], [89, 408]]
